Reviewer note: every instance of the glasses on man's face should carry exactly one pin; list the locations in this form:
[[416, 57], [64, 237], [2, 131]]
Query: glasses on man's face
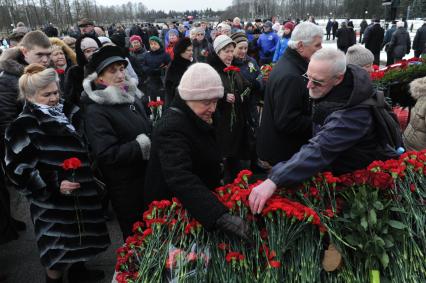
[[315, 82]]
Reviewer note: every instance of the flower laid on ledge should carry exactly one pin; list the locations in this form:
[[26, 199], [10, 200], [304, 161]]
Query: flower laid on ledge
[[375, 217]]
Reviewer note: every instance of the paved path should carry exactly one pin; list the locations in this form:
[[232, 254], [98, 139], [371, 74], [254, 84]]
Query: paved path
[[20, 259]]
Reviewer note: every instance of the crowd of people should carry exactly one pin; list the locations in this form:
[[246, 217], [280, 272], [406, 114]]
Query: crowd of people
[[89, 97]]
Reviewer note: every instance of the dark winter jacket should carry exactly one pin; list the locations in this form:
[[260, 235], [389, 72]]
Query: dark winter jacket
[[388, 36], [185, 163], [152, 66], [232, 131], [373, 38], [36, 147], [201, 50], [173, 75], [345, 38], [136, 59], [335, 27], [251, 71], [345, 136], [329, 26], [286, 124], [419, 42], [113, 120], [12, 66], [400, 43], [363, 25], [267, 43]]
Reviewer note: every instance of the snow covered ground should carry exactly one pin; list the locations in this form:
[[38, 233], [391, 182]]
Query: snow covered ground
[[383, 56]]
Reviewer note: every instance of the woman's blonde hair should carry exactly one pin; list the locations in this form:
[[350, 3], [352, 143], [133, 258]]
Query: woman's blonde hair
[[35, 77]]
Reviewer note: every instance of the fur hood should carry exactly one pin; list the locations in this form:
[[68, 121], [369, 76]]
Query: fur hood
[[111, 95], [9, 62], [69, 53], [418, 88]]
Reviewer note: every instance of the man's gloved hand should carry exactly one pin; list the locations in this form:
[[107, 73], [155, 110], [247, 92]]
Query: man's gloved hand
[[233, 226]]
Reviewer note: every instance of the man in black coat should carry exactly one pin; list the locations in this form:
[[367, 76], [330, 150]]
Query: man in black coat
[[286, 124], [419, 42], [373, 40], [363, 26], [335, 27], [34, 48], [400, 43], [345, 133], [386, 41]]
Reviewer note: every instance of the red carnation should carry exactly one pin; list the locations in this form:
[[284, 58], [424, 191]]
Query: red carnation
[[71, 163], [60, 71], [275, 264], [234, 256]]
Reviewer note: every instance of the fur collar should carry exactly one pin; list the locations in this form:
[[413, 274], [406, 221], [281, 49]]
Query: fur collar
[[9, 62], [418, 88], [111, 95]]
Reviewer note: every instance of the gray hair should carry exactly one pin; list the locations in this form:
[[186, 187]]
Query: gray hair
[[334, 57], [35, 77], [304, 32]]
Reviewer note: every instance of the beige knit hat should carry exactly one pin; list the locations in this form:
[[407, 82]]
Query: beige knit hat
[[200, 82], [222, 41], [359, 55]]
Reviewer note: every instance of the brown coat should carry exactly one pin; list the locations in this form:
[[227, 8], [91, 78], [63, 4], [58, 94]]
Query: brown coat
[[415, 134]]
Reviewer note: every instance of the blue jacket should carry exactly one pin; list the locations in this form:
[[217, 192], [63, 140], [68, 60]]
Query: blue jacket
[[280, 48], [344, 139], [267, 43], [152, 62]]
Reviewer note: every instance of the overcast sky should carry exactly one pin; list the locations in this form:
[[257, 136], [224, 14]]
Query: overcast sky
[[177, 5]]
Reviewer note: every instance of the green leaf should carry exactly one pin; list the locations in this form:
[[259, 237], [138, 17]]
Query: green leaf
[[389, 241], [378, 205], [384, 259], [372, 217], [396, 224], [379, 241], [364, 223], [397, 209]]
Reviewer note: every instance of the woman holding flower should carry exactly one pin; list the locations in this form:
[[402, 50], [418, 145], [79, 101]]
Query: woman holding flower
[[65, 204], [118, 129], [231, 118]]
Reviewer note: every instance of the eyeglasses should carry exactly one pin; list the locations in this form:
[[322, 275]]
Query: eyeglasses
[[315, 82]]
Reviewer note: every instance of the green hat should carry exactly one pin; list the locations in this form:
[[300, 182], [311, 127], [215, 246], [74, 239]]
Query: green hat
[[156, 39]]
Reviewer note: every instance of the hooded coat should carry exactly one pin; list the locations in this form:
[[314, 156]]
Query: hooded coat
[[415, 133], [68, 229], [113, 120], [345, 136]]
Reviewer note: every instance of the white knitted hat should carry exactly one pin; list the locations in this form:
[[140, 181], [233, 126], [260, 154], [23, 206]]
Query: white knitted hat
[[221, 41], [200, 82]]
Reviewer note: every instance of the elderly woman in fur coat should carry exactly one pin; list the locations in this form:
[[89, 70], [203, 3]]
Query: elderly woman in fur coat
[[415, 133], [61, 58], [117, 129], [65, 204]]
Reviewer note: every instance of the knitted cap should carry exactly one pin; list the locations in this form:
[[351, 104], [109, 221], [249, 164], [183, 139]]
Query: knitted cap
[[200, 82], [239, 37], [359, 55], [135, 37], [156, 39], [289, 25], [221, 42], [88, 42]]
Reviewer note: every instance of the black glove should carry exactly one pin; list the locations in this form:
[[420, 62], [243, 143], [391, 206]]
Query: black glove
[[233, 226]]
